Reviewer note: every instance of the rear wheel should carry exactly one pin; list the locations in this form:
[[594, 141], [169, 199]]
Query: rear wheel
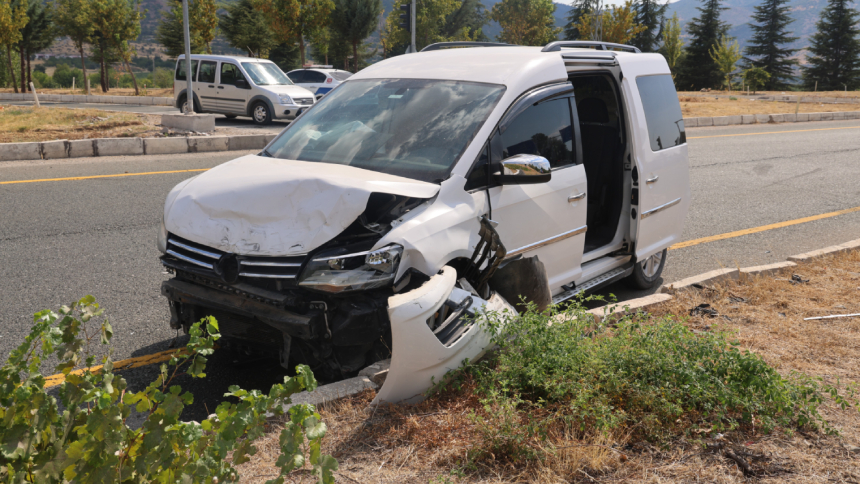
[[261, 114], [647, 272]]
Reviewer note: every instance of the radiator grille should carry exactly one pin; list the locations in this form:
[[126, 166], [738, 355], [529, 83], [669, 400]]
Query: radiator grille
[[249, 267]]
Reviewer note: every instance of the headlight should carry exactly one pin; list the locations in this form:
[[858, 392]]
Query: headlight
[[333, 272], [162, 238], [285, 99]]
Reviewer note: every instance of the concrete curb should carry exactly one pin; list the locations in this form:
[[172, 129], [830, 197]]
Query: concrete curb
[[766, 270], [92, 99], [629, 307], [768, 119], [704, 278], [61, 149]]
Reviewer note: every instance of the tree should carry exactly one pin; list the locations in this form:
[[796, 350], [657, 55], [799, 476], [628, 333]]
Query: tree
[[699, 70], [118, 22], [578, 9], [354, 21], [13, 19], [36, 36], [616, 25], [766, 48], [431, 19], [293, 20], [649, 14], [756, 78], [246, 28], [471, 17], [526, 22], [726, 54], [202, 20], [673, 44], [834, 60], [72, 20]]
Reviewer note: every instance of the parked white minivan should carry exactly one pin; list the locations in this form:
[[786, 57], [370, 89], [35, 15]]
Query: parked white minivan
[[240, 86], [425, 189]]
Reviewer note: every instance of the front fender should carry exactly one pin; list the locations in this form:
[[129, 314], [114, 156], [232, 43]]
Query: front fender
[[418, 357]]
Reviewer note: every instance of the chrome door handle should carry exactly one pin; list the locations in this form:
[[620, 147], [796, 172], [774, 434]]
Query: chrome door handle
[[652, 179], [574, 198]]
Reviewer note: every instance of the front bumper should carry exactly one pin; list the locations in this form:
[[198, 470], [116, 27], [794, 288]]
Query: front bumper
[[288, 111]]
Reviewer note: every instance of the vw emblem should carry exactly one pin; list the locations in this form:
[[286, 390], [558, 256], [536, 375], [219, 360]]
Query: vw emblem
[[228, 268]]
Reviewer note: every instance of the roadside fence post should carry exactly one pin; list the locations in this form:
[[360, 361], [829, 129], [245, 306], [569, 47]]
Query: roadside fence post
[[35, 96], [73, 83], [88, 86]]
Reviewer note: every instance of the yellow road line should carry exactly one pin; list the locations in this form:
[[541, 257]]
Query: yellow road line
[[762, 228], [771, 132], [135, 362], [100, 176]]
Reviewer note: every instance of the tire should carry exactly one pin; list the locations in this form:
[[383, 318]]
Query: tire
[[183, 101], [646, 273], [261, 114]]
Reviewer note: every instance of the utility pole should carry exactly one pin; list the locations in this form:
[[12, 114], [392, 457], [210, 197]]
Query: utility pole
[[189, 93], [414, 26]]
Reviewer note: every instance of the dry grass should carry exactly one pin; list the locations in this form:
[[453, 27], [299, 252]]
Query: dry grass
[[698, 106], [430, 442], [96, 91], [22, 124]]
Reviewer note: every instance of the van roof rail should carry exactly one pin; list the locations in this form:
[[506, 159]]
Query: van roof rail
[[557, 45], [445, 45]]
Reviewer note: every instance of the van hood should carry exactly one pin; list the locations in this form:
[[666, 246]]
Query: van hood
[[264, 206], [290, 90]]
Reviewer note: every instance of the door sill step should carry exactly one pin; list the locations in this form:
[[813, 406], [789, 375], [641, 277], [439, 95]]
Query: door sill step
[[593, 284]]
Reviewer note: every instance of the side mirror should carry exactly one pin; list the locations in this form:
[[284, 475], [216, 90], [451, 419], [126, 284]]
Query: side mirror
[[524, 169], [242, 84]]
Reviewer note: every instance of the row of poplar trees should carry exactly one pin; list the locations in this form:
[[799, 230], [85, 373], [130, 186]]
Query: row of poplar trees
[[104, 26], [277, 29], [832, 61]]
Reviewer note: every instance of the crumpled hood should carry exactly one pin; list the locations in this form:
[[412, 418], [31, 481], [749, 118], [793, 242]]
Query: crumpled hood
[[271, 207]]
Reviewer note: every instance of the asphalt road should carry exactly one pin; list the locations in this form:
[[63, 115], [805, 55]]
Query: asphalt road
[[61, 240]]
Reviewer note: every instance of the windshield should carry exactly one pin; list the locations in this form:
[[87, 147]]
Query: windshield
[[266, 74], [340, 75], [413, 128]]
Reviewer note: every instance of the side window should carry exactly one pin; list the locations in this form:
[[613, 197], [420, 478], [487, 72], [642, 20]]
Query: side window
[[543, 130], [314, 77], [297, 76], [230, 73], [207, 71], [180, 70], [662, 111]]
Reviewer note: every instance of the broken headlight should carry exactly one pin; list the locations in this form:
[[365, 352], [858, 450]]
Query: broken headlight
[[332, 272]]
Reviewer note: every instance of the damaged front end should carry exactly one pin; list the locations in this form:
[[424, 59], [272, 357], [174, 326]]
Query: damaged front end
[[326, 309]]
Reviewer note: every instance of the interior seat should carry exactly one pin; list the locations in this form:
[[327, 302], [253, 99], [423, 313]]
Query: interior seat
[[600, 152]]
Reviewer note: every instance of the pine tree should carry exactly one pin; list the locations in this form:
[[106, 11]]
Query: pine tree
[[577, 10], [354, 21], [699, 70], [649, 14], [471, 16], [202, 20], [766, 48], [36, 36], [834, 60], [246, 28]]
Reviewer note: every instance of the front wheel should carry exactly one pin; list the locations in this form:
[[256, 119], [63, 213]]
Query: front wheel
[[647, 272], [261, 113]]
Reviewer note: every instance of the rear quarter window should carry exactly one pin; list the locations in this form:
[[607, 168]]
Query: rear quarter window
[[662, 111]]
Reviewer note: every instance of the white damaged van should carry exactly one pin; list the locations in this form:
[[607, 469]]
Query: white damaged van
[[427, 187]]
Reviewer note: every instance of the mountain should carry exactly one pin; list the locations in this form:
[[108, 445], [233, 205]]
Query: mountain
[[804, 12]]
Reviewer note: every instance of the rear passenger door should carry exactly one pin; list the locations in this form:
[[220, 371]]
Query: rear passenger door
[[661, 189], [545, 219], [205, 86], [232, 98]]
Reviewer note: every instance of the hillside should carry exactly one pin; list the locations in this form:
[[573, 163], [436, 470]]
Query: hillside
[[804, 12]]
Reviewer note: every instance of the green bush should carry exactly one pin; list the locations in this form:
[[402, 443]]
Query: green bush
[[63, 75], [84, 438], [163, 78], [42, 80], [655, 378]]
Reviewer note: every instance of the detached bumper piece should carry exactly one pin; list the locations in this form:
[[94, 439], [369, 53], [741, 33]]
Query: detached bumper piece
[[434, 329]]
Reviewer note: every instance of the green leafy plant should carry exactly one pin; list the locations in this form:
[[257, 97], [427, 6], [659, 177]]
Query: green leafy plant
[[84, 438], [653, 377], [756, 78]]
